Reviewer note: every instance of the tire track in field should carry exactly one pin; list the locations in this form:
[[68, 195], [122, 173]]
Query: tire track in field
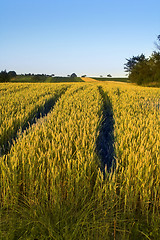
[[105, 140], [41, 112]]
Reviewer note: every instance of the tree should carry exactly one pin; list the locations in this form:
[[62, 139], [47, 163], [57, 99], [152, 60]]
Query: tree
[[143, 70], [131, 62], [139, 69], [73, 75], [4, 76], [154, 62], [141, 73], [12, 74], [84, 76], [109, 75]]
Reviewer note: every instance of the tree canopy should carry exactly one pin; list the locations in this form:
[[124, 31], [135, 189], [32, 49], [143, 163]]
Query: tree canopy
[[73, 75], [4, 76], [131, 62], [144, 70], [12, 74]]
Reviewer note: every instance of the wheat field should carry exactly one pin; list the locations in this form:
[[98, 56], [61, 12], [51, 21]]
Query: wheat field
[[56, 142]]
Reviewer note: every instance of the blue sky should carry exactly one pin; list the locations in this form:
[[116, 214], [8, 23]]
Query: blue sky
[[92, 37]]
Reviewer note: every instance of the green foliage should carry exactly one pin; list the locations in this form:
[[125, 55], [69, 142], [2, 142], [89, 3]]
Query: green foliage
[[73, 75], [111, 79], [63, 79], [4, 76], [132, 62], [12, 74], [44, 78], [141, 73], [155, 65], [144, 71], [147, 70], [39, 78]]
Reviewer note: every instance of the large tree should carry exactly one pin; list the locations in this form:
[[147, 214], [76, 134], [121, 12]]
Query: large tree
[[142, 70], [141, 73], [132, 62], [154, 62], [12, 74]]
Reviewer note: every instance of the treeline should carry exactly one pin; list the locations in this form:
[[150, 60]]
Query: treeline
[[144, 70], [7, 76], [31, 77], [37, 77]]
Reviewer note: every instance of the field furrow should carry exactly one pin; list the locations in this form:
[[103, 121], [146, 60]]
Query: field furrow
[[21, 108], [136, 133], [58, 152], [105, 141]]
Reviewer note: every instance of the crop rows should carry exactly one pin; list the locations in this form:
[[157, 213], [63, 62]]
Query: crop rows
[[64, 141], [53, 163], [137, 149], [20, 104], [53, 178]]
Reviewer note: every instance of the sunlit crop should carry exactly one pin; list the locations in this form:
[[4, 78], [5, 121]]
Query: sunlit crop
[[20, 103], [52, 177]]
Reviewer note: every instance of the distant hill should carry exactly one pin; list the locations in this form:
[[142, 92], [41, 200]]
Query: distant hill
[[63, 79], [46, 79], [56, 79]]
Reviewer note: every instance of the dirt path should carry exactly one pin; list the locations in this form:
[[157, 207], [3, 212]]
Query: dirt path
[[87, 79]]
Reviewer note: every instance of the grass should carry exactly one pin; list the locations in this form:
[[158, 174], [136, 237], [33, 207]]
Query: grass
[[41, 79], [152, 84], [63, 79], [22, 79], [111, 79]]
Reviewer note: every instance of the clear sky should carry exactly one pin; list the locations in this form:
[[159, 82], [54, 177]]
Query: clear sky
[[92, 37]]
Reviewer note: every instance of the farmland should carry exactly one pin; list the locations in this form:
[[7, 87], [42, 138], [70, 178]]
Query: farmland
[[79, 161], [112, 79], [44, 79]]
